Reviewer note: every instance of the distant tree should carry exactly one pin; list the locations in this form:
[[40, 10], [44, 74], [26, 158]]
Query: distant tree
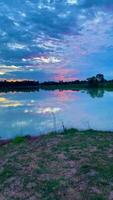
[[100, 77], [92, 81]]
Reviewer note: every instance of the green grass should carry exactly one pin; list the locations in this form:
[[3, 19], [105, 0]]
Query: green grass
[[58, 166], [97, 197], [18, 140], [6, 173]]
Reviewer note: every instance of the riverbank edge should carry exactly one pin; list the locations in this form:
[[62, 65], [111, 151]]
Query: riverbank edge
[[18, 139]]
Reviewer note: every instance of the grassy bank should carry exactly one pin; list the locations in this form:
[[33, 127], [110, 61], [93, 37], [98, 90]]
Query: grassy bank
[[68, 166]]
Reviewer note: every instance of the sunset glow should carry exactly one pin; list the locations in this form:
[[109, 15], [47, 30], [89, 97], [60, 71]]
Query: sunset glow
[[53, 40]]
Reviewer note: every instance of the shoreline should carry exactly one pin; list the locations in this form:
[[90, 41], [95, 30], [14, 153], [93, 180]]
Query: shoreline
[[73, 87], [19, 139], [94, 82]]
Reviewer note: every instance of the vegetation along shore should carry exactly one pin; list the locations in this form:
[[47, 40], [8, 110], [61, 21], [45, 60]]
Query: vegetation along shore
[[97, 81], [75, 165]]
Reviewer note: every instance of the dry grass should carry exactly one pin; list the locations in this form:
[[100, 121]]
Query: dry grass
[[69, 166]]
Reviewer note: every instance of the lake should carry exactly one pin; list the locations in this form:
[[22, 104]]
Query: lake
[[36, 113]]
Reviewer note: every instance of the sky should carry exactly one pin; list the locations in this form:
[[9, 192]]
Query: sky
[[56, 39]]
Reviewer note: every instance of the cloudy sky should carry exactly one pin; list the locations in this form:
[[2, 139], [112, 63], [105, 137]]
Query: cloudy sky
[[56, 39]]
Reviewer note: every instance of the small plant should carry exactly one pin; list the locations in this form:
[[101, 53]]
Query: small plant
[[54, 122], [18, 140], [63, 127]]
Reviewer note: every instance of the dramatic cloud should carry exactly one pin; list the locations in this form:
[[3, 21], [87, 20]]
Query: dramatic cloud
[[53, 39]]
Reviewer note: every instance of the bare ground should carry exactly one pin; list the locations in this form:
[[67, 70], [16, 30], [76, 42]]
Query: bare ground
[[68, 166]]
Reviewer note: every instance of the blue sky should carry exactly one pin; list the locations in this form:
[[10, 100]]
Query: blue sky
[[56, 40]]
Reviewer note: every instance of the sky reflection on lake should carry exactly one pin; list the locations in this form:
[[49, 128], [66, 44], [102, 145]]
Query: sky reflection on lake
[[31, 113]]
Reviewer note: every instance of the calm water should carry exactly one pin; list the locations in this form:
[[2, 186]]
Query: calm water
[[37, 113]]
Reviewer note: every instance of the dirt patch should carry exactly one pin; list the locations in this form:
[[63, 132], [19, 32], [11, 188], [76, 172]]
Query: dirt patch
[[70, 166]]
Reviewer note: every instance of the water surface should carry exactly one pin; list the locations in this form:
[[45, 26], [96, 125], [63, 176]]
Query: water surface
[[36, 113]]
